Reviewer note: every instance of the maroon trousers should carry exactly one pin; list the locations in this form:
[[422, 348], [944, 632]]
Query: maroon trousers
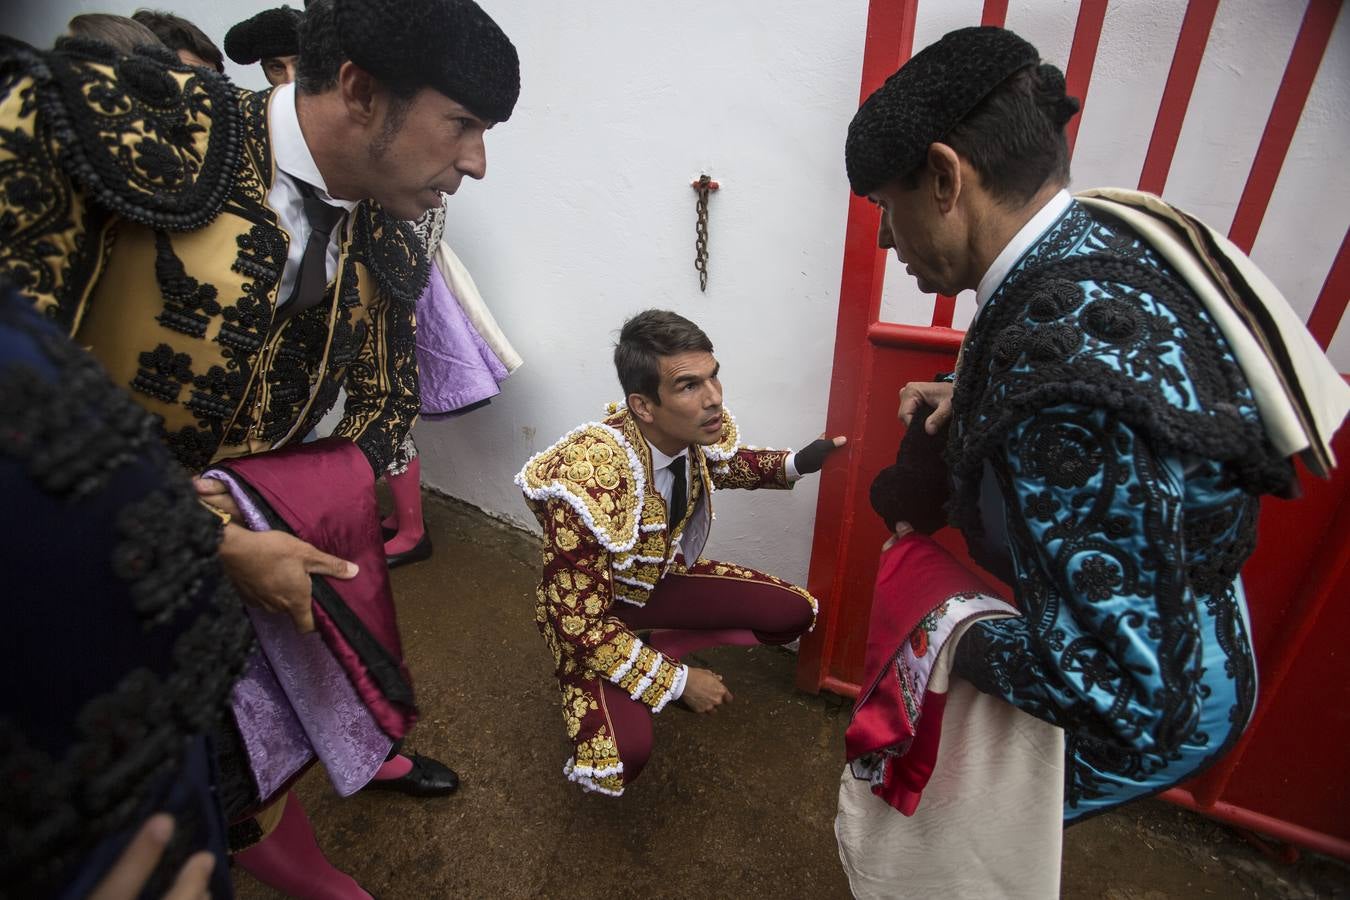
[[709, 604]]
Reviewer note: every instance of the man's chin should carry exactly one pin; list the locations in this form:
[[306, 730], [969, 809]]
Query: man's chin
[[408, 208], [927, 287]]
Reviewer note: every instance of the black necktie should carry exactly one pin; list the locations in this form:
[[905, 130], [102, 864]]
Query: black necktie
[[679, 494], [312, 279]]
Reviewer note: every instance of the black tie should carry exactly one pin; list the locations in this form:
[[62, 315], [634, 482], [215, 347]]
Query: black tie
[[679, 494], [312, 279]]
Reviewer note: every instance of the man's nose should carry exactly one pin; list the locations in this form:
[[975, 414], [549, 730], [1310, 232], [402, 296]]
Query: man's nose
[[473, 158], [714, 397]]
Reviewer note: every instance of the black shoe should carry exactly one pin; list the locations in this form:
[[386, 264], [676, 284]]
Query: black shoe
[[420, 551], [426, 778]]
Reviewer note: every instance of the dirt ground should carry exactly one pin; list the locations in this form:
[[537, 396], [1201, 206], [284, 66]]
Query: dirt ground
[[736, 804]]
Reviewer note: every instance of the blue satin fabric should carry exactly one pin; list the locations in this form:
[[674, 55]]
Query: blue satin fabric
[[1128, 640]]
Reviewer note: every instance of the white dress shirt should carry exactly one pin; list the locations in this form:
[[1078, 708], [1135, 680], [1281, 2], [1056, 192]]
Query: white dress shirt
[[664, 480], [294, 163], [1021, 242]]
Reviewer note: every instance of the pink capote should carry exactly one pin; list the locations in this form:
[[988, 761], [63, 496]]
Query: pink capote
[[922, 596], [324, 492]]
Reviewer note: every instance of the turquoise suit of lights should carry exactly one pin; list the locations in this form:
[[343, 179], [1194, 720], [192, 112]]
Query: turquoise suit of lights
[[1108, 459]]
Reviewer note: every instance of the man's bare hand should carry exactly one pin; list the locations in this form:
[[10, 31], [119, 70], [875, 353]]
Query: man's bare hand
[[133, 868], [217, 493], [272, 570], [704, 690], [937, 394], [902, 530]]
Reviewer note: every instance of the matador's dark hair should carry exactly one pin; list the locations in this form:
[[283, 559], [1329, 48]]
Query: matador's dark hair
[[178, 33], [646, 338]]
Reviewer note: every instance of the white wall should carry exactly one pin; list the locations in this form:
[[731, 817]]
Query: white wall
[[587, 215]]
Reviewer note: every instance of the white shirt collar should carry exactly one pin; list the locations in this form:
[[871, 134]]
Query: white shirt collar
[[289, 149], [1021, 242], [660, 460]]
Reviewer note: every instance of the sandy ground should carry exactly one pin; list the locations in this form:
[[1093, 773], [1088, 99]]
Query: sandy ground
[[739, 804]]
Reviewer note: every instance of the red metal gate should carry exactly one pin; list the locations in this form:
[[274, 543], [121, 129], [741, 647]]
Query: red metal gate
[[1288, 776]]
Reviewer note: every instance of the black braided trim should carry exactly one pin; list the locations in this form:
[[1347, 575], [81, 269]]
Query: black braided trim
[[127, 130], [1037, 347]]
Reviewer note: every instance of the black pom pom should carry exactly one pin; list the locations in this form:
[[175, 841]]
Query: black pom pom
[[1050, 95]]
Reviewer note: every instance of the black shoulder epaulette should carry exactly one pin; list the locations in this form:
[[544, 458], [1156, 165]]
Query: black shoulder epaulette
[[149, 138], [394, 252]]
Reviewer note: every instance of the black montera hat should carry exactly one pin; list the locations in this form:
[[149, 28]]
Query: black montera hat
[[929, 95], [272, 32], [452, 46]]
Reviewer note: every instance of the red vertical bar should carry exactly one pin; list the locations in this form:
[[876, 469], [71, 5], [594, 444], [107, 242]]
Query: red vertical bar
[[1330, 306], [890, 41], [943, 311], [995, 13], [1304, 60], [1176, 96], [1087, 35]]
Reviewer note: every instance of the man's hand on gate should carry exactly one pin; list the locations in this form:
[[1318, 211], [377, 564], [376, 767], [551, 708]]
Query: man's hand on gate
[[937, 394], [704, 690], [217, 493], [272, 569], [811, 457]]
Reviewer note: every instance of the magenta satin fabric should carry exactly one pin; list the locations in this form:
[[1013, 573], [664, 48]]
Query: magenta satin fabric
[[325, 492]]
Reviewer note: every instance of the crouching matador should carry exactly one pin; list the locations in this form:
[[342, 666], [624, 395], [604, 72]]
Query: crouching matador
[[626, 506]]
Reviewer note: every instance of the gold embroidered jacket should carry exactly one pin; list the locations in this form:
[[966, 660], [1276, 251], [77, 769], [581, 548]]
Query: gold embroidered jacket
[[133, 210], [607, 539]]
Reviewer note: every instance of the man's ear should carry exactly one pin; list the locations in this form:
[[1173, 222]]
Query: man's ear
[[358, 89], [641, 406], [945, 167]]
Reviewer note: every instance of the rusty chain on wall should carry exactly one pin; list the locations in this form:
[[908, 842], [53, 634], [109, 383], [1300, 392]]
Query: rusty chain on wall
[[704, 186]]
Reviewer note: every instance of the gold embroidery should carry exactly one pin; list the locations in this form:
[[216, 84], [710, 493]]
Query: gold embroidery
[[576, 704], [593, 470], [566, 539]]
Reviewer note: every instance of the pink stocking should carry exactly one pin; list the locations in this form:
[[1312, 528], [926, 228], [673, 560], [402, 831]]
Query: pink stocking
[[677, 642], [394, 768], [289, 860], [406, 488]]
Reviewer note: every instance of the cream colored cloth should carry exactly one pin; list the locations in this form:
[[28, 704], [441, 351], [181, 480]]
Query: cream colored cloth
[[466, 292], [991, 820], [1302, 406]]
